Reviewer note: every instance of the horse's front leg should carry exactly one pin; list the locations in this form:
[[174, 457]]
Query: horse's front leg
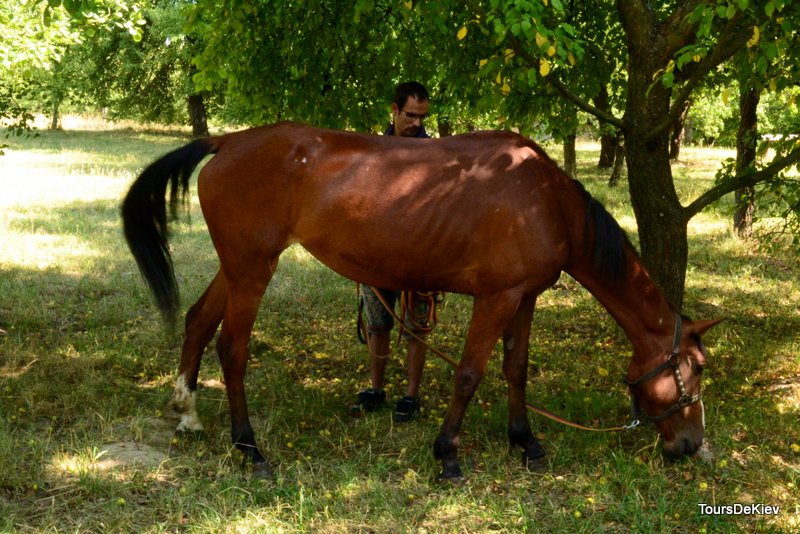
[[490, 314], [515, 368]]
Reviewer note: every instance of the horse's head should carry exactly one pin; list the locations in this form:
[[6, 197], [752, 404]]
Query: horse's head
[[669, 393]]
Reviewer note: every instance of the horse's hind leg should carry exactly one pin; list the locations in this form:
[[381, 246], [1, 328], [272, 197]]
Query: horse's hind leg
[[202, 321], [245, 291], [515, 368]]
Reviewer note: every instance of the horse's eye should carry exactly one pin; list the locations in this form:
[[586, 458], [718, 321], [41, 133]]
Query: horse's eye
[[699, 368]]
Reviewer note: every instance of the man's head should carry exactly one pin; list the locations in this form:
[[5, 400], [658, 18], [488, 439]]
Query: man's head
[[409, 108]]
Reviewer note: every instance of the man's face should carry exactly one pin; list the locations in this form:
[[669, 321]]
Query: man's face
[[408, 121]]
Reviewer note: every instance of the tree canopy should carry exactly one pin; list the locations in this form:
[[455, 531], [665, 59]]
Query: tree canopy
[[541, 66]]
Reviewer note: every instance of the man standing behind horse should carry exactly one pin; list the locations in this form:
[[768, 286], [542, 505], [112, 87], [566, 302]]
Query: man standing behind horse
[[409, 110]]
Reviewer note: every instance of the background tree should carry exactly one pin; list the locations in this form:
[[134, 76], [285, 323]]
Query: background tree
[[34, 37]]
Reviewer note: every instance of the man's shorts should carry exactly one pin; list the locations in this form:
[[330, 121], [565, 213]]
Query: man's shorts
[[378, 317]]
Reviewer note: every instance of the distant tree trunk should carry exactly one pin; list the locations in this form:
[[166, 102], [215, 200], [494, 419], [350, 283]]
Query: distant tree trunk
[[608, 139], [619, 160], [197, 114], [678, 132], [445, 128], [55, 118], [570, 156], [746, 145]]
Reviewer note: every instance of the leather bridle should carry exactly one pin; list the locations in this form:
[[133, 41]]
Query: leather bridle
[[673, 362]]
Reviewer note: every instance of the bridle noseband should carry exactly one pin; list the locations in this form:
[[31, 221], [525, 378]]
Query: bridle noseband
[[684, 399]]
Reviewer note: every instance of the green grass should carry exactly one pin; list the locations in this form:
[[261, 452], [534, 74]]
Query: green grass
[[86, 369]]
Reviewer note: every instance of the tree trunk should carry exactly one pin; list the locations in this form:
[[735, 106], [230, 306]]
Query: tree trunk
[[197, 114], [746, 145], [659, 215], [55, 118], [570, 156], [445, 128], [608, 138], [678, 132], [619, 159]]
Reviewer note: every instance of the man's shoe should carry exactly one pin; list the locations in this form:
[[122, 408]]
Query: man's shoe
[[406, 408], [368, 400]]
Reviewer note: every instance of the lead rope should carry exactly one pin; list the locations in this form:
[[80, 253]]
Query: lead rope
[[541, 411]]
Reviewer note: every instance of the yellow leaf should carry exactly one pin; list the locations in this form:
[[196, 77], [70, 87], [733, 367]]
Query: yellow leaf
[[773, 85], [462, 33], [482, 63], [602, 371], [696, 58], [571, 59], [505, 89], [508, 54], [551, 51], [544, 67], [541, 40], [499, 79], [725, 97], [409, 5], [755, 37]]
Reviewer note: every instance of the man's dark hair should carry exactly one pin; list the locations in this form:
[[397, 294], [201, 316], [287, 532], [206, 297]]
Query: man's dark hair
[[407, 89]]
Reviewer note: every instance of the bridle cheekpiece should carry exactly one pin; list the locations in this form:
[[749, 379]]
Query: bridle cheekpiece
[[684, 398]]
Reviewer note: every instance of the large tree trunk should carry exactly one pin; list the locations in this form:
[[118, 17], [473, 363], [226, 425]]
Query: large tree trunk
[[197, 114], [659, 214], [746, 145]]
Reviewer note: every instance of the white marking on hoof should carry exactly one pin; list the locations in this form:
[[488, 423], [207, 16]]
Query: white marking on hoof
[[184, 401]]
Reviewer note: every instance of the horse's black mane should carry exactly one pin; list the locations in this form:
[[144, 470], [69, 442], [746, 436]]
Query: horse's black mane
[[610, 241]]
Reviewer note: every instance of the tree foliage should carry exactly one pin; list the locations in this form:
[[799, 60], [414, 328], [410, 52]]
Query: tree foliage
[[35, 36], [537, 65]]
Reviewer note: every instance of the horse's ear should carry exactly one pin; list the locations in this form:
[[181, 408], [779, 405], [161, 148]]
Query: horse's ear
[[701, 327]]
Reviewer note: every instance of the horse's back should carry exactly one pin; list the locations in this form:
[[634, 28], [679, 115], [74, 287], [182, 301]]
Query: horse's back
[[469, 211]]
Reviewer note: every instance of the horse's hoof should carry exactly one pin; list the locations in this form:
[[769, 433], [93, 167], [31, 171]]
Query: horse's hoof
[[452, 476], [262, 471], [457, 480], [537, 463]]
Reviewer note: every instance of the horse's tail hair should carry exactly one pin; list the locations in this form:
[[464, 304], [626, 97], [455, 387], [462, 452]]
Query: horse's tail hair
[[609, 243], [144, 218]]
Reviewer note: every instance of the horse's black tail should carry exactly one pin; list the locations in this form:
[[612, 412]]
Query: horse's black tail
[[144, 219]]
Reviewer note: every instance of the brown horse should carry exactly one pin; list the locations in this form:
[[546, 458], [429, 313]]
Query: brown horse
[[486, 214]]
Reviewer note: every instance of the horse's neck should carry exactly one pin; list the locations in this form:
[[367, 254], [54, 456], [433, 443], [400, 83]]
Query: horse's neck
[[636, 303]]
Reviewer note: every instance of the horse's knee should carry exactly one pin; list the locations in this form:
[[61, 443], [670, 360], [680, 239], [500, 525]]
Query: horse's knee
[[467, 380]]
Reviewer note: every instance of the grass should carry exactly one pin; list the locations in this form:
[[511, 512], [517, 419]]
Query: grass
[[86, 369]]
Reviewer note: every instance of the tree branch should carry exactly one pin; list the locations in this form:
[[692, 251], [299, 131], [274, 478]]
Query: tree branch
[[521, 51], [730, 41], [740, 181]]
